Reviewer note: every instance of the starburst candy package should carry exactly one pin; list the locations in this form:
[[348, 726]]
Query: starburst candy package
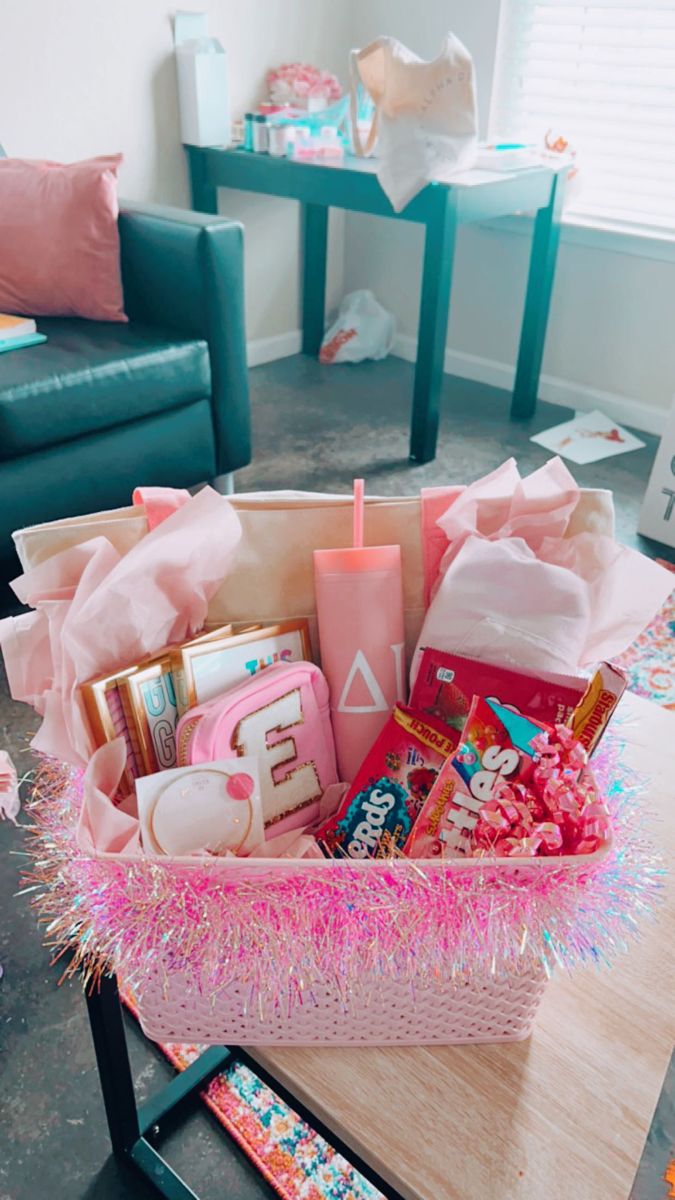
[[597, 706], [393, 782]]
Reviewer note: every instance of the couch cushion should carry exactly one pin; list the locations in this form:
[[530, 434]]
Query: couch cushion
[[100, 471], [94, 375]]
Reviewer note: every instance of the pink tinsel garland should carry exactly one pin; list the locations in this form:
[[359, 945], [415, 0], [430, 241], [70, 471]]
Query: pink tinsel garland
[[408, 920]]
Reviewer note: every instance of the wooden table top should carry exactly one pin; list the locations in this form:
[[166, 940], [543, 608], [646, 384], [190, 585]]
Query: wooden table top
[[561, 1116]]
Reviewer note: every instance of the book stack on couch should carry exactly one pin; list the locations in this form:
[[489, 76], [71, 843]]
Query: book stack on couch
[[18, 332]]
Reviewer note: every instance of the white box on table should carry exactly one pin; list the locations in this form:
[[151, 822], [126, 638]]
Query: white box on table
[[203, 85]]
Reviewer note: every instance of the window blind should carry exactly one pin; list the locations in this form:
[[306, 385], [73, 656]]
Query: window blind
[[603, 76]]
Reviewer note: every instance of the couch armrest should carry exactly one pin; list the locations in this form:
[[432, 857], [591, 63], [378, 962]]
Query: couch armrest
[[185, 271]]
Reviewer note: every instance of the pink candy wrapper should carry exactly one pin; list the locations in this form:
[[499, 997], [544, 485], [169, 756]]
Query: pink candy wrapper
[[446, 684]]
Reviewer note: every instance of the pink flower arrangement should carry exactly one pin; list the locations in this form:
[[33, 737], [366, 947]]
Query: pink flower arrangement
[[298, 83]]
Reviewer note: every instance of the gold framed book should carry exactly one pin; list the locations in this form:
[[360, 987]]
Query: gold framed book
[[205, 669]]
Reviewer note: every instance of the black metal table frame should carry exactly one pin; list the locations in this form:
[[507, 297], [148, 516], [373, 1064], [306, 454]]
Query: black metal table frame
[[131, 1124]]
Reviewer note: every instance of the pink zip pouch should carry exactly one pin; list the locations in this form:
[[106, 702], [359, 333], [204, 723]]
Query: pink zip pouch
[[280, 717]]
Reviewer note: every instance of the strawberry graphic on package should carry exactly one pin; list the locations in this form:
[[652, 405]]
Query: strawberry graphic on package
[[446, 684]]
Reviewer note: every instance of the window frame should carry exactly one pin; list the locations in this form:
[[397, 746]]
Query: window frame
[[578, 228]]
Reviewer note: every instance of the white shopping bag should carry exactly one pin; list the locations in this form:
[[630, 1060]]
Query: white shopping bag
[[363, 329], [426, 120]]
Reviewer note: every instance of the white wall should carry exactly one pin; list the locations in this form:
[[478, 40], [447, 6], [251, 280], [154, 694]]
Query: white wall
[[610, 341], [85, 77]]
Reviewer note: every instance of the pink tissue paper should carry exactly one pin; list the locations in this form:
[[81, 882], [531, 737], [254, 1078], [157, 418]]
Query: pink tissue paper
[[512, 588], [96, 610]]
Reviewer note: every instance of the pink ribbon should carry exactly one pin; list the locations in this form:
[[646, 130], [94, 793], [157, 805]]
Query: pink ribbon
[[557, 812]]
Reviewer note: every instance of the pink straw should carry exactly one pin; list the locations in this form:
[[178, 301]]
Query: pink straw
[[358, 512]]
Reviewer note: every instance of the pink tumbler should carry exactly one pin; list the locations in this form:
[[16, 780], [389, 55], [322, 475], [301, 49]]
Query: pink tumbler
[[359, 604]]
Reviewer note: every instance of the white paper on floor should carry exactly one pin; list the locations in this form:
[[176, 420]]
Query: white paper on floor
[[587, 438]]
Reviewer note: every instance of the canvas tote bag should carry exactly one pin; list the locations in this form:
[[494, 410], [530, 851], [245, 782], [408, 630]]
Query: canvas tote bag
[[426, 120], [271, 574]]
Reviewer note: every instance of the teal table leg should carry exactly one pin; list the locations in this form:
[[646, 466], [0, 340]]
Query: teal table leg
[[315, 250], [439, 250], [538, 301], [204, 194]]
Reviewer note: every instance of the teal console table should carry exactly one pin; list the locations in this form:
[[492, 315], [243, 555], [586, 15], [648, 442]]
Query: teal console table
[[441, 207]]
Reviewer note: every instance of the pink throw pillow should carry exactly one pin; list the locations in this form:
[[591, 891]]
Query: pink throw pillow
[[59, 243]]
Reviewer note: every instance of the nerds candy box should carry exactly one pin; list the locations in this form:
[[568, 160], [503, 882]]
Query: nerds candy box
[[390, 787]]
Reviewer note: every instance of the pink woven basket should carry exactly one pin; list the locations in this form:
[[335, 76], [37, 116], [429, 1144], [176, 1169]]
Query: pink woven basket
[[359, 1005], [382, 1012], [287, 951]]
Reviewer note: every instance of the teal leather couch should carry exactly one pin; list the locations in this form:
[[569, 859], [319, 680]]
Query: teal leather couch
[[102, 407]]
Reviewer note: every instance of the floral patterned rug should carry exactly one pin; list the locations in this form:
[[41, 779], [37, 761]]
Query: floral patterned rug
[[296, 1161], [650, 661]]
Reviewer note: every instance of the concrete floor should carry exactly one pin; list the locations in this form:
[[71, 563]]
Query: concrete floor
[[315, 428]]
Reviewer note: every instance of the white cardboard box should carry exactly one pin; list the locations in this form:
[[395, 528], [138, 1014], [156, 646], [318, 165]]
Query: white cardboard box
[[657, 515], [203, 89]]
